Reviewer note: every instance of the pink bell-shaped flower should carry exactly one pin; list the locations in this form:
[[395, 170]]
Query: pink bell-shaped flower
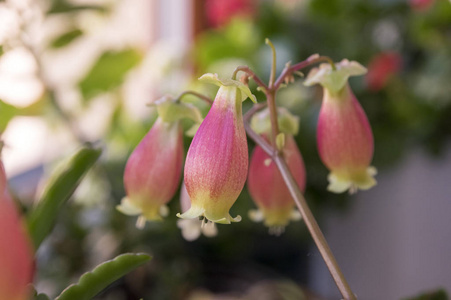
[[152, 173], [265, 183], [217, 161], [16, 254], [269, 190], [344, 136]]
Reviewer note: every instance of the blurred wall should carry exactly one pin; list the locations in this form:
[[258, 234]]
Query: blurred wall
[[395, 241]]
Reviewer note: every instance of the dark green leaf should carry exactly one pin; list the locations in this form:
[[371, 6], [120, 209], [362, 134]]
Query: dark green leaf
[[59, 189], [435, 295], [41, 297], [108, 72], [92, 283], [1, 49], [66, 38]]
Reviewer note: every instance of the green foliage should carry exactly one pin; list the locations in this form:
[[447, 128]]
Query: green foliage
[[66, 38], [59, 189], [108, 72], [64, 6], [92, 283], [435, 295], [7, 112], [41, 297]]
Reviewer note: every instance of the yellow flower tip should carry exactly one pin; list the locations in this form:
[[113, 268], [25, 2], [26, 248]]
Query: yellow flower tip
[[353, 183], [152, 214], [196, 212], [127, 208], [275, 219]]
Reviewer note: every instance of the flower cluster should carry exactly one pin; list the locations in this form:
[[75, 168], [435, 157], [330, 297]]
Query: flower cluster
[[217, 163]]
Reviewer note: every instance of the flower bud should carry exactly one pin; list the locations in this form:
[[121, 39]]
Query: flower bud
[[345, 140], [16, 254], [265, 183], [153, 171], [217, 160]]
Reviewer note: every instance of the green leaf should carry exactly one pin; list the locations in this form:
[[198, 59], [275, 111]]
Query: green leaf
[[41, 297], [59, 189], [63, 6], [66, 38], [434, 295], [37, 296], [7, 112], [108, 72], [1, 49], [92, 283]]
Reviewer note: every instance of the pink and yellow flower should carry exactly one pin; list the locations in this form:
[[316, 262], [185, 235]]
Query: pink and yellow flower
[[217, 161], [268, 189], [152, 173], [344, 136], [16, 254]]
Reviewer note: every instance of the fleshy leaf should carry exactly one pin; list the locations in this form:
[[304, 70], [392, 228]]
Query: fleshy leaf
[[108, 72], [214, 79], [92, 283], [334, 80], [59, 189]]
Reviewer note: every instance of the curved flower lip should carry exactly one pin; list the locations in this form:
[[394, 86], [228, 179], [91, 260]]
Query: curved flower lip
[[193, 228], [334, 80], [275, 219], [214, 79], [340, 184], [197, 212]]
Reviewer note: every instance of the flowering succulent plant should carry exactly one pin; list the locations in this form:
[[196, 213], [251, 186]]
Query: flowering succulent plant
[[217, 160], [344, 136]]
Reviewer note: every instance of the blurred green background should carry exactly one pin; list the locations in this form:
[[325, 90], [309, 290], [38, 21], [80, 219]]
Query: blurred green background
[[406, 46]]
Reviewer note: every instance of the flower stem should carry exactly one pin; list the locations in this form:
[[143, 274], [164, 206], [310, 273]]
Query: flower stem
[[278, 158], [198, 95], [273, 65], [288, 70]]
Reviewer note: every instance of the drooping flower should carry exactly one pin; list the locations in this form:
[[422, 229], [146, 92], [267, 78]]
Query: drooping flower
[[16, 254], [381, 68], [153, 171], [344, 136], [265, 183], [193, 228], [217, 161]]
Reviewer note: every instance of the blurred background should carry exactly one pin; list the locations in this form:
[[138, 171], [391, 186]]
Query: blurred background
[[83, 71]]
